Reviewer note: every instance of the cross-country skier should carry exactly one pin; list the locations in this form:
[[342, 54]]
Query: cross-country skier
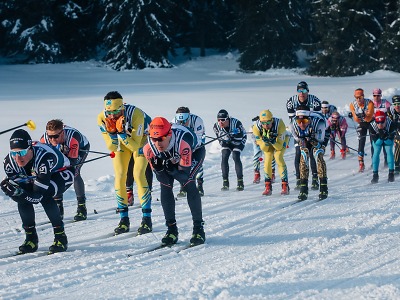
[[75, 146], [34, 176], [394, 116], [172, 156], [338, 127]]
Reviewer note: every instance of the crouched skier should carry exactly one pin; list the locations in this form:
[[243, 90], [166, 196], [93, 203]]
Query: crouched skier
[[32, 178], [170, 153]]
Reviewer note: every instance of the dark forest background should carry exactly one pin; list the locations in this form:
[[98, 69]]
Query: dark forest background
[[326, 37]]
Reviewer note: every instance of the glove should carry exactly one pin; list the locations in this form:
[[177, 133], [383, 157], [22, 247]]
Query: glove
[[350, 115], [360, 115], [63, 148], [169, 166], [120, 124], [11, 188], [157, 164], [383, 135], [110, 125], [315, 144]]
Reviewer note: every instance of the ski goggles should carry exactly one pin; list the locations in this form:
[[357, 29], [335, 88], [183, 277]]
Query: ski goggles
[[112, 112], [266, 122], [54, 136], [19, 152], [380, 121], [159, 139], [181, 118], [302, 121], [303, 91], [222, 119]]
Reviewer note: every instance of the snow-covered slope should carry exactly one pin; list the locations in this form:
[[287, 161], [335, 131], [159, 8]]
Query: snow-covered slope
[[345, 247]]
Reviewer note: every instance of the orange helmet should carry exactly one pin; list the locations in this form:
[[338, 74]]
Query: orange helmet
[[159, 127]]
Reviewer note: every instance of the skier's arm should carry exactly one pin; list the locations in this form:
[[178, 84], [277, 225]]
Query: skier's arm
[[111, 139]]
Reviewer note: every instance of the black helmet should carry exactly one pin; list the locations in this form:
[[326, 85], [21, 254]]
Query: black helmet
[[20, 139], [222, 114], [302, 85]]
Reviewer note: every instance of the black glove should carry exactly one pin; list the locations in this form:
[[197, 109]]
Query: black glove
[[383, 135], [157, 164], [350, 115], [256, 118], [360, 115], [169, 166], [11, 188]]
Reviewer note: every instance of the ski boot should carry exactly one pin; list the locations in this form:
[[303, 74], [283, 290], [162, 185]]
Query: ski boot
[[123, 226], [225, 185], [59, 201], [332, 154], [268, 188], [182, 192], [198, 236], [375, 177], [129, 193], [200, 187], [303, 195], [314, 183], [146, 226], [240, 185], [60, 243], [323, 188], [256, 177], [81, 212], [171, 236], [31, 242], [391, 176], [285, 188]]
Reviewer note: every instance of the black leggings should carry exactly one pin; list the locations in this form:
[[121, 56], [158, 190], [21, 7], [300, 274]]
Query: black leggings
[[225, 163], [27, 212]]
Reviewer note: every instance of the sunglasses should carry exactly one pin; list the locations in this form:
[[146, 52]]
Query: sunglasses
[[222, 119], [361, 97], [159, 139], [54, 136], [266, 122], [377, 95], [379, 122], [302, 121], [303, 91], [19, 152], [112, 112]]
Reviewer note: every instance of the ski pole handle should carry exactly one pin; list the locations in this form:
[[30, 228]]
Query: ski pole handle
[[30, 124]]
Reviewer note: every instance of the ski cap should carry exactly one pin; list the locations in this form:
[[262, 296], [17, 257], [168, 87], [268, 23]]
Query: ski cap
[[265, 116], [358, 93], [159, 127], [396, 100], [302, 85], [20, 139], [222, 114], [302, 111], [376, 92], [380, 116]]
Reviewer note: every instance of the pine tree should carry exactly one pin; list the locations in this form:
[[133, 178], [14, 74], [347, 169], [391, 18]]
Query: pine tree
[[269, 32], [136, 34], [389, 43], [348, 32]]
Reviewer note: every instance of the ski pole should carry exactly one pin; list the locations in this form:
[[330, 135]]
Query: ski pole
[[23, 179], [96, 152], [337, 143], [30, 124], [234, 131]]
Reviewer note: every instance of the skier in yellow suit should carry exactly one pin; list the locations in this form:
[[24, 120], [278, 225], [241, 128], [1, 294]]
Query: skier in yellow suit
[[270, 134], [123, 128]]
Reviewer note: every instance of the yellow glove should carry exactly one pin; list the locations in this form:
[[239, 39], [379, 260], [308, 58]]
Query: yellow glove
[[110, 125], [120, 124]]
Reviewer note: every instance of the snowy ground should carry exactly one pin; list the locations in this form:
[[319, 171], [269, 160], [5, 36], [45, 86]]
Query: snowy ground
[[345, 247]]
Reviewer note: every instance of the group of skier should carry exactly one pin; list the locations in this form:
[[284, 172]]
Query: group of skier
[[40, 172]]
